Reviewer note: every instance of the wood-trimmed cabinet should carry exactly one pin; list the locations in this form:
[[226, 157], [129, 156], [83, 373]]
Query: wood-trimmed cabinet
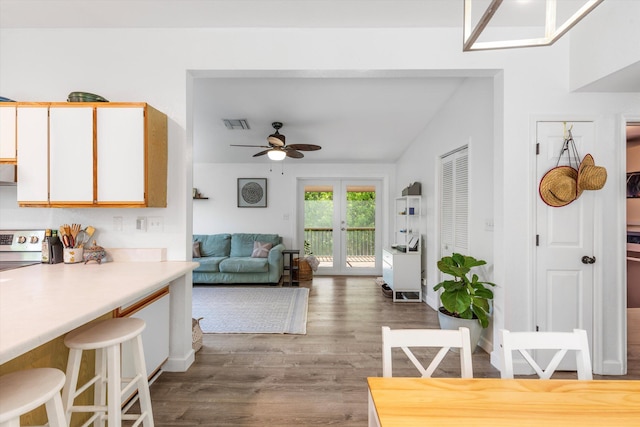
[[8, 154], [91, 155]]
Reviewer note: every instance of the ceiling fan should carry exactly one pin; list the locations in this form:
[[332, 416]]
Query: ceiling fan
[[277, 148]]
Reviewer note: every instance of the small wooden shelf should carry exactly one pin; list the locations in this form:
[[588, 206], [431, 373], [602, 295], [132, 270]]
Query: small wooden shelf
[[291, 267]]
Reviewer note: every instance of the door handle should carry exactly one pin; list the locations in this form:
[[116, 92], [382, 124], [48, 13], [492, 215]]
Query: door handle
[[588, 259]]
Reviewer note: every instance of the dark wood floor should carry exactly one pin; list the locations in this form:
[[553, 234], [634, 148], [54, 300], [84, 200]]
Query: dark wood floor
[[303, 380]]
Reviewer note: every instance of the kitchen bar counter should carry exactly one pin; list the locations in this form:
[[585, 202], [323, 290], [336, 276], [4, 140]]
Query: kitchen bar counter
[[42, 302]]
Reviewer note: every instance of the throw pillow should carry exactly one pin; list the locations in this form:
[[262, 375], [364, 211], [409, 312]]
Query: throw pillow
[[196, 250], [261, 249]]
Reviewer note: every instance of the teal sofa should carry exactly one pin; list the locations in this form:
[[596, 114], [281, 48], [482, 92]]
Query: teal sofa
[[227, 258]]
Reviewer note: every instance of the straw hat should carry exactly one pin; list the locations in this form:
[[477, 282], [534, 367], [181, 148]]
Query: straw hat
[[590, 176], [559, 187]]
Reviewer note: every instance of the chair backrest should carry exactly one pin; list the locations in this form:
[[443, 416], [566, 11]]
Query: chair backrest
[[445, 339], [561, 341]]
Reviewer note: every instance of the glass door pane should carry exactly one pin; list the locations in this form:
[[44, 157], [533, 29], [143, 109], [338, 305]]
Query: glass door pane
[[318, 223], [359, 227]]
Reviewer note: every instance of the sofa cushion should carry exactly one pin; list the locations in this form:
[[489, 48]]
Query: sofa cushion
[[196, 250], [210, 264], [261, 249], [242, 243], [244, 265], [216, 245]]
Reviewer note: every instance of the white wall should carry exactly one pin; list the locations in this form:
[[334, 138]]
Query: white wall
[[152, 65], [466, 119], [605, 42], [220, 213]]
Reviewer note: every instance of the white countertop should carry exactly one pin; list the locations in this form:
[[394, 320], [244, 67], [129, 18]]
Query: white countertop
[[42, 302]]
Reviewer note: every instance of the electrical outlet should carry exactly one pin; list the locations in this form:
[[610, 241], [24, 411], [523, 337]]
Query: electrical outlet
[[155, 224], [488, 224], [141, 223]]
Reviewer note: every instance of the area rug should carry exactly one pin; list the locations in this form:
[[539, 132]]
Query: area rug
[[251, 310]]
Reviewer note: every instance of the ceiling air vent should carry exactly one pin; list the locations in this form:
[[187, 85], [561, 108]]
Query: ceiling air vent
[[236, 124]]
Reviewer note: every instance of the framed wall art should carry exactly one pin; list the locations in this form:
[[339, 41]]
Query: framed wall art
[[252, 192]]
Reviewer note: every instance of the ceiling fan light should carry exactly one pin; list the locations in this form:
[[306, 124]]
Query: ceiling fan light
[[276, 155]]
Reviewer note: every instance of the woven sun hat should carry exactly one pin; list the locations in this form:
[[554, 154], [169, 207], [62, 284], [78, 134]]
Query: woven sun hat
[[590, 176], [558, 187]]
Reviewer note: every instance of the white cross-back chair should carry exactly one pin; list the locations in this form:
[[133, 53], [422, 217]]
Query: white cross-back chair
[[446, 339], [561, 341]]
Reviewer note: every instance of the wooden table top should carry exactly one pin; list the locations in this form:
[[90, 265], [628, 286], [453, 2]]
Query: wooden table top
[[496, 402]]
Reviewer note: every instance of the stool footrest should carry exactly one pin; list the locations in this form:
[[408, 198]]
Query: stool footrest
[[138, 417], [132, 385], [89, 383], [91, 420]]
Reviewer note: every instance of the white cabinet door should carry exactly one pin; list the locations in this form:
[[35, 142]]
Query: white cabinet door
[[33, 166], [155, 337], [121, 165], [8, 132], [71, 154]]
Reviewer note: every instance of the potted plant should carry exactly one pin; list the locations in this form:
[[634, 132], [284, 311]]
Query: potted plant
[[465, 299]]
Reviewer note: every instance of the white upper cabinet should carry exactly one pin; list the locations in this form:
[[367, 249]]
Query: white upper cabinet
[[8, 133], [33, 155], [71, 155], [92, 155], [121, 160]]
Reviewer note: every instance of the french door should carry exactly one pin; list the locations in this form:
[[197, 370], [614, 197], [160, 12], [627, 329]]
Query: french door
[[337, 223]]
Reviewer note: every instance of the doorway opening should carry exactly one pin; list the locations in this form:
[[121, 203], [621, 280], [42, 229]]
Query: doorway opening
[[338, 225], [633, 243]]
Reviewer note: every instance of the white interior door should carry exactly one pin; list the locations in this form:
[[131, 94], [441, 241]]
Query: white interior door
[[564, 283]]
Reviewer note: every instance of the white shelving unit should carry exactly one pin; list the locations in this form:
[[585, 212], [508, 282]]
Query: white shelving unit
[[407, 223], [402, 264]]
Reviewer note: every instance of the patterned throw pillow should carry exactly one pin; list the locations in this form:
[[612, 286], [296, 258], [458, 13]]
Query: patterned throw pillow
[[261, 249], [196, 250]]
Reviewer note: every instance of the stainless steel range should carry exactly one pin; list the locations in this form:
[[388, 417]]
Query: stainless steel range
[[20, 248]]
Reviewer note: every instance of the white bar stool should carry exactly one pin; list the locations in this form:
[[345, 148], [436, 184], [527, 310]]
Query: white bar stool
[[24, 391], [107, 337]]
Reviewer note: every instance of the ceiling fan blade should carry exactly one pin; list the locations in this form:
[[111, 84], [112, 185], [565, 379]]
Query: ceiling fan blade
[[242, 145], [262, 153], [304, 147], [294, 154]]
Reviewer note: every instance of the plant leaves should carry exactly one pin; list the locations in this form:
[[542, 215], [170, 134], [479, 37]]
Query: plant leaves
[[465, 296]]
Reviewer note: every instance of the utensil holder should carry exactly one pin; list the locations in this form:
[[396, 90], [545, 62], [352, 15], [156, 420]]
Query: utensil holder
[[73, 255]]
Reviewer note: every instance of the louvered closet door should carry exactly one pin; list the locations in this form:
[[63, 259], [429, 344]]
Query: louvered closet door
[[454, 202]]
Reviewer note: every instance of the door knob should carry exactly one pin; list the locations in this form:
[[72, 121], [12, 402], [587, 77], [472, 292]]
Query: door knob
[[588, 259]]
